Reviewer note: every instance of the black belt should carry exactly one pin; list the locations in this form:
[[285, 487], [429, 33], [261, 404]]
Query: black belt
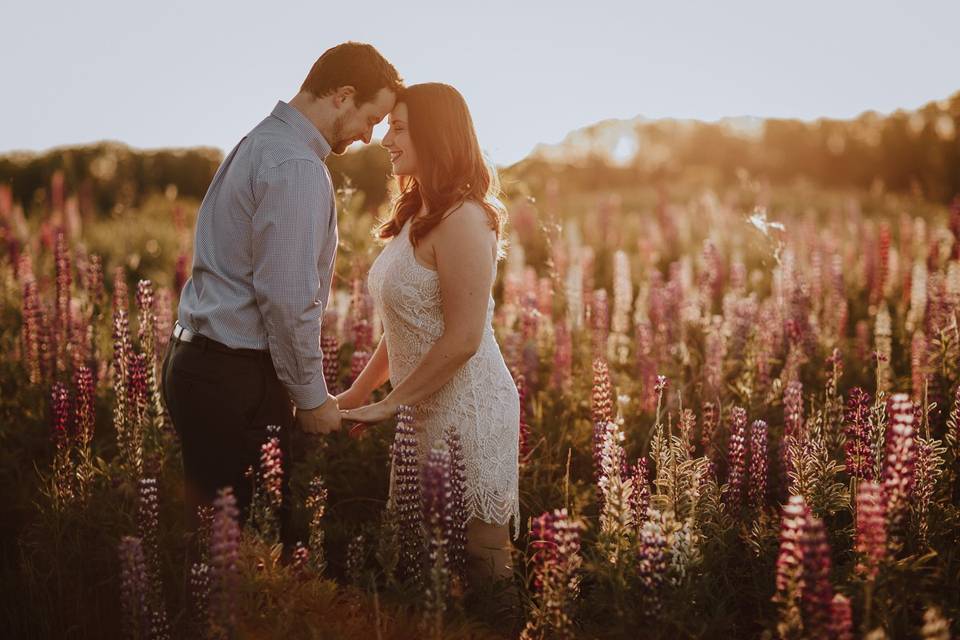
[[182, 334]]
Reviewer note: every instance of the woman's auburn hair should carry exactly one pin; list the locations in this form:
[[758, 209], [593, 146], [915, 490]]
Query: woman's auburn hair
[[451, 168]]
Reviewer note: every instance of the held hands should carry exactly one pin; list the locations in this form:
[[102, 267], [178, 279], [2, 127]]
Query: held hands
[[320, 420], [368, 415]]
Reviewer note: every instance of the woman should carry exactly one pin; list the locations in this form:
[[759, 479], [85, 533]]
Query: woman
[[432, 287]]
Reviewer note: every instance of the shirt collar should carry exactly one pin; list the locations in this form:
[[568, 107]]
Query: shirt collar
[[304, 128]]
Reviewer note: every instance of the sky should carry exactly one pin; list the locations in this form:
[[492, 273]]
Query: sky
[[173, 73]]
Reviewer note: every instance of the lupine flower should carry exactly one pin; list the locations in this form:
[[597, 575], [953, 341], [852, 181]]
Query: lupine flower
[[899, 470], [93, 280], [928, 470], [405, 495], [271, 469], [688, 423], [457, 537], [841, 618], [859, 453], [438, 521], [136, 403], [200, 588], [32, 327], [148, 525], [300, 560], [600, 321], [64, 279], [817, 598], [640, 496], [601, 407], [918, 365], [316, 504], [121, 294], [556, 540], [164, 321], [715, 351], [793, 409], [134, 592], [61, 413], [652, 565], [883, 348], [758, 464], [789, 572], [871, 529], [224, 560], [330, 346], [708, 427], [737, 458]]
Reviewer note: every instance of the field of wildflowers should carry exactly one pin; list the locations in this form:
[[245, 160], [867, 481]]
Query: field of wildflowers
[[740, 418]]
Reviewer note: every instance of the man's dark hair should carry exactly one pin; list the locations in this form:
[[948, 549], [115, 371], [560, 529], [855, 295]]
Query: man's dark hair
[[355, 64]]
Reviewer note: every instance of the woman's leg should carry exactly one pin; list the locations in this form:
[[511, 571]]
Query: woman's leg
[[488, 551]]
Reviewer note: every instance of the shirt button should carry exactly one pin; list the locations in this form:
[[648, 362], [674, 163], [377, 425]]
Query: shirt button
[[316, 303]]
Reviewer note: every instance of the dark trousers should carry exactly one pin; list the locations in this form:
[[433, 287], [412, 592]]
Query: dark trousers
[[220, 404]]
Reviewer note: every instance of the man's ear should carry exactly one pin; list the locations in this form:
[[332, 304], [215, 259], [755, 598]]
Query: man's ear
[[343, 93]]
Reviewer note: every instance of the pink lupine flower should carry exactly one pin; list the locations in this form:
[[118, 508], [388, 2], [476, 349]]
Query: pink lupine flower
[[793, 409], [758, 464], [64, 280], [32, 328], [708, 427], [737, 458], [330, 347], [899, 465], [859, 452], [841, 618], [871, 529], [224, 559], [555, 537], [790, 568], [817, 598], [121, 294], [640, 496], [83, 388]]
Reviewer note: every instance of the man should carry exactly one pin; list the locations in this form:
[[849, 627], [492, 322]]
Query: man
[[247, 340]]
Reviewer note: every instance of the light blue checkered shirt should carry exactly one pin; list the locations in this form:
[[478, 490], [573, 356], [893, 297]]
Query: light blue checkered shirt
[[265, 246]]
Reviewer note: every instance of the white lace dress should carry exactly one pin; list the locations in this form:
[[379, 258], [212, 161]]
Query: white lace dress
[[480, 399]]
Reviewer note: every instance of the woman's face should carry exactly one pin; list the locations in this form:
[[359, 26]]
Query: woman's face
[[403, 156]]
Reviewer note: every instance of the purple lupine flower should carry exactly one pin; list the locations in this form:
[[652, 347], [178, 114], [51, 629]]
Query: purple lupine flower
[[871, 529], [134, 592], [330, 347], [64, 280], [708, 428], [224, 559], [789, 571], [556, 540], [316, 504], [793, 409], [121, 294], [758, 464], [61, 413], [859, 453], [148, 525], [405, 496], [900, 463], [841, 618], [817, 592], [457, 538], [437, 521], [653, 563], [737, 458], [640, 496], [32, 323]]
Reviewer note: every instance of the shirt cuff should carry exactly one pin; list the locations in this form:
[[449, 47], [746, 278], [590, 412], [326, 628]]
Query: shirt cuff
[[309, 396]]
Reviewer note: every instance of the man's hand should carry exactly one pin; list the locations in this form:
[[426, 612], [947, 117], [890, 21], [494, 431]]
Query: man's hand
[[321, 420]]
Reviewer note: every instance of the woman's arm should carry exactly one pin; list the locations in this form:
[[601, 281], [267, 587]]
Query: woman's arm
[[375, 373], [465, 249]]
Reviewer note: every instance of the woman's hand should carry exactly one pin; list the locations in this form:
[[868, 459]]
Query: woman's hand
[[351, 399], [368, 415]]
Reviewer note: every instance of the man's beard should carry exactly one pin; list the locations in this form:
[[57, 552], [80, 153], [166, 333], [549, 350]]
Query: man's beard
[[340, 145]]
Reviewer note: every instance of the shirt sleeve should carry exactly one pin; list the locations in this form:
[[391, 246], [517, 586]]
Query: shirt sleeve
[[290, 225]]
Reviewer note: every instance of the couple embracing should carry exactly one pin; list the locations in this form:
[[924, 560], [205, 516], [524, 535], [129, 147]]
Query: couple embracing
[[245, 351]]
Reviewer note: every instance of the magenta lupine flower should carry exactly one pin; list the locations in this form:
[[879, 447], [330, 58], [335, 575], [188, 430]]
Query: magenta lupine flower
[[758, 464], [32, 321], [330, 347], [737, 458], [793, 409], [524, 444], [164, 320], [817, 598], [64, 280], [224, 559], [600, 322], [457, 538], [61, 414], [640, 496], [555, 537], [83, 388], [859, 452], [271, 468], [121, 294], [134, 592], [841, 618], [405, 497], [790, 567], [900, 463], [652, 565], [562, 356], [710, 423], [871, 529]]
